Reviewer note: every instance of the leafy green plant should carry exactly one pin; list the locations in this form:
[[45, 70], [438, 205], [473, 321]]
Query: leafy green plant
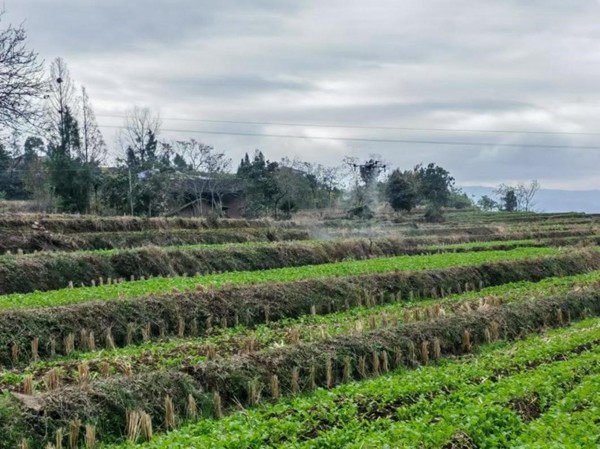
[[352, 268], [344, 415]]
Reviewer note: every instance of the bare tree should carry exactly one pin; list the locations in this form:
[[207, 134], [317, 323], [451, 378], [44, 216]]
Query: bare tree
[[203, 158], [21, 79], [141, 125], [526, 194], [215, 165], [61, 102], [94, 147]]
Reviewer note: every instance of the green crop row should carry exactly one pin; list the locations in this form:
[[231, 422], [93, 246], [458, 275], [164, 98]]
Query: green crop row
[[237, 377], [231, 377], [196, 312], [182, 352], [396, 246], [290, 274], [488, 415], [301, 418], [466, 234], [562, 225], [50, 271], [524, 232], [166, 248], [55, 270], [571, 423], [511, 244]]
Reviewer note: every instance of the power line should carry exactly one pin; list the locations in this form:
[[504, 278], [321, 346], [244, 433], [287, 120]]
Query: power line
[[374, 140], [20, 170], [388, 128]]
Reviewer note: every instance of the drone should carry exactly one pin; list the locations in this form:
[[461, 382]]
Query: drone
[[370, 168], [371, 164]]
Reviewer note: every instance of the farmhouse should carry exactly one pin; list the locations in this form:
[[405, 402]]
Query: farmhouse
[[208, 194]]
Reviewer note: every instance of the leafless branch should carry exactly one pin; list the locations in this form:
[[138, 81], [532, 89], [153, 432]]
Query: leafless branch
[[22, 81]]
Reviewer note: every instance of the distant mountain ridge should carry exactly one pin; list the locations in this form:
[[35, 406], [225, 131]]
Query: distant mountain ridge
[[551, 200]]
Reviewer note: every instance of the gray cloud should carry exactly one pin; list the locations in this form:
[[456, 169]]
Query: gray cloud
[[81, 26], [470, 65]]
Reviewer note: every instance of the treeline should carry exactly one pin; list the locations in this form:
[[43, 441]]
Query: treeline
[[58, 164], [431, 186], [54, 154], [511, 198]]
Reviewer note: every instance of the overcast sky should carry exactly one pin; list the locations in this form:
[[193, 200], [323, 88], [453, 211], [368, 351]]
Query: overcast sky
[[480, 65]]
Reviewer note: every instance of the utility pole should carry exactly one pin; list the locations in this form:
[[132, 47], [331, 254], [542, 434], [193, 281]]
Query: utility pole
[[130, 191]]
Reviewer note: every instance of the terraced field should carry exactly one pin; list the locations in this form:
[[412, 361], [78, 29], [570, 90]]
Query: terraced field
[[507, 395], [480, 333]]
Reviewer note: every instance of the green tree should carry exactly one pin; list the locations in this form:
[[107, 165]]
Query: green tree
[[33, 146], [69, 174], [435, 189], [13, 164], [315, 185], [71, 171], [263, 192], [142, 183], [402, 190], [297, 188], [138, 136], [180, 163], [487, 204], [435, 184], [5, 161], [144, 193], [459, 199], [509, 201], [116, 190], [146, 156]]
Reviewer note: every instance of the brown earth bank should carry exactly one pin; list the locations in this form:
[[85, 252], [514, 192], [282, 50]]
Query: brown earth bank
[[94, 223], [33, 241], [299, 367], [127, 320], [51, 271]]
